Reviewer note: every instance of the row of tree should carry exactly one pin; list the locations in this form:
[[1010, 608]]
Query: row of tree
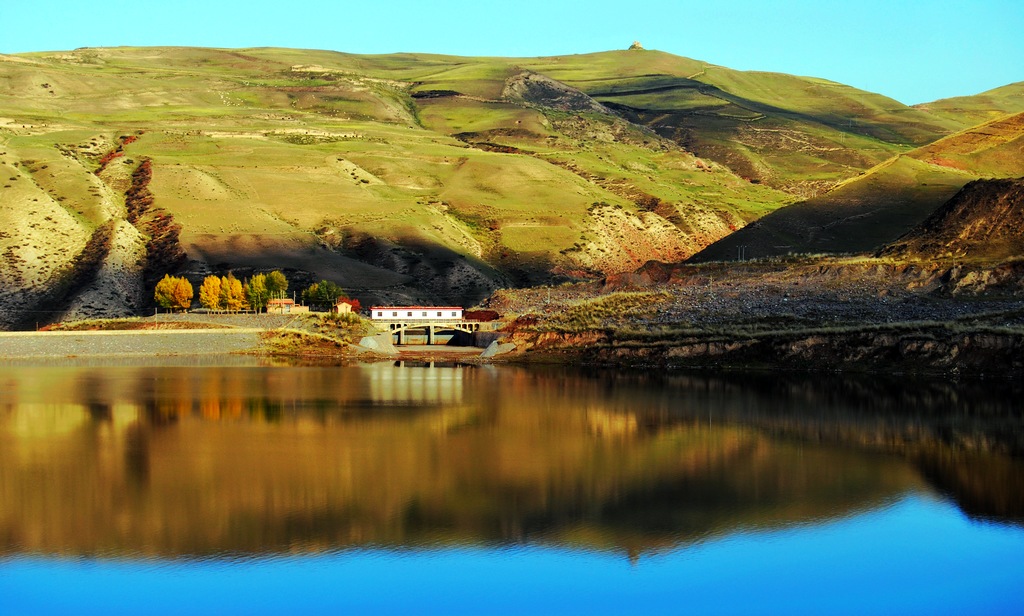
[[231, 294]]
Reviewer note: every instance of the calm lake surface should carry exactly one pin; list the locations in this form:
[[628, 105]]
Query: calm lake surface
[[439, 488]]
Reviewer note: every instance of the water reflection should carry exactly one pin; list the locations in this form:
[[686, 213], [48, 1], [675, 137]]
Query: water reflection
[[186, 461]]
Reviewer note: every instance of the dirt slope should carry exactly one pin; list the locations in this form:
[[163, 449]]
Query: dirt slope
[[985, 220]]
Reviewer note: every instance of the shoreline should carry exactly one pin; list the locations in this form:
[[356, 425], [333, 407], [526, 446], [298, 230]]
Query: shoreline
[[127, 343], [935, 353], [925, 348]]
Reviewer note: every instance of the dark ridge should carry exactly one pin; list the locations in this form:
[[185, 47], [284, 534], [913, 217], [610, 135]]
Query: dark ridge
[[435, 94], [164, 254], [984, 219]]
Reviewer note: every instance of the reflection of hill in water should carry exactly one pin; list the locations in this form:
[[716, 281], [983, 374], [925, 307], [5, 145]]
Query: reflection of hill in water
[[965, 438], [179, 461]]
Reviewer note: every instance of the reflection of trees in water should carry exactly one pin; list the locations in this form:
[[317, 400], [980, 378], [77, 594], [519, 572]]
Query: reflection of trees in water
[[521, 459], [254, 460]]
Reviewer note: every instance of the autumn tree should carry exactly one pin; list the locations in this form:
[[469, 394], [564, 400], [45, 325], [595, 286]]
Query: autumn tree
[[277, 284], [164, 292], [173, 292], [355, 303], [232, 297], [183, 294], [209, 293], [256, 292]]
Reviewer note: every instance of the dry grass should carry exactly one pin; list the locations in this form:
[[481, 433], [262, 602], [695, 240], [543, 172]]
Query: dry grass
[[134, 324], [607, 311]]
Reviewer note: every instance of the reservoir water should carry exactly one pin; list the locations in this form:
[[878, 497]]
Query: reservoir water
[[248, 488]]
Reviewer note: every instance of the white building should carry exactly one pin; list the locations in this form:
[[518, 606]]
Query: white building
[[415, 313]]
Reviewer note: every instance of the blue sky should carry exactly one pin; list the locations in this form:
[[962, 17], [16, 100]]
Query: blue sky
[[912, 50]]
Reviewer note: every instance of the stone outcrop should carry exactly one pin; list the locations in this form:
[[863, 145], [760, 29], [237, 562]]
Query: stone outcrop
[[536, 89]]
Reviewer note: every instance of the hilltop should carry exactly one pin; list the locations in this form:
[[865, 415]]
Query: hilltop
[[410, 177]]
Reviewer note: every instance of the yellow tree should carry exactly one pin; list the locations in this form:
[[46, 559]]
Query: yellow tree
[[163, 295], [183, 293], [209, 293], [231, 293]]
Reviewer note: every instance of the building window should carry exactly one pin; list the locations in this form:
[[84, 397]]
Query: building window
[[394, 314], [410, 314], [454, 314], [424, 313], [379, 313], [438, 314]]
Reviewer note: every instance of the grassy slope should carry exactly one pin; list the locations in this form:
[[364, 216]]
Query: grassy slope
[[270, 157], [285, 158], [980, 108], [796, 133], [887, 201]]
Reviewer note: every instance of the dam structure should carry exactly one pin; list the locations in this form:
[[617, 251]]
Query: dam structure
[[428, 324]]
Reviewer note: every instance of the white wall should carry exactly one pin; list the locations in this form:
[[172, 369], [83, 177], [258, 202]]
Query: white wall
[[419, 313]]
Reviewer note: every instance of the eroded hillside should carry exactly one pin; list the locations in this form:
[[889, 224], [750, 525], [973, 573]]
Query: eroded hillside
[[404, 177], [329, 166]]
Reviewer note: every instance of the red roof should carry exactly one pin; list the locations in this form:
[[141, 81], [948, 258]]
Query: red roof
[[281, 301]]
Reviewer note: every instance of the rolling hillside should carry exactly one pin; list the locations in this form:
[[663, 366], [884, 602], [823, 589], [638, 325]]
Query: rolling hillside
[[980, 108], [875, 208], [405, 177]]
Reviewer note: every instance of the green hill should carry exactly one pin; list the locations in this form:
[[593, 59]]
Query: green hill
[[875, 208], [404, 177], [980, 108]]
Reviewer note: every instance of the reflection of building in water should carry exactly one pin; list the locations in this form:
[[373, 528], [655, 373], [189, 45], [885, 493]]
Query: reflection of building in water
[[611, 423], [409, 383]]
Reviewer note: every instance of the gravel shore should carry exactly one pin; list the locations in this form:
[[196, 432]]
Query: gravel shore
[[127, 343]]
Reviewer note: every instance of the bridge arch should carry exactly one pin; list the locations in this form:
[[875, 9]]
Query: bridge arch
[[432, 328]]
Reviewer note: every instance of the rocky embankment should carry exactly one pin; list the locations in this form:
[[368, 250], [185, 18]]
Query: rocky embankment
[[923, 349], [856, 314], [948, 297]]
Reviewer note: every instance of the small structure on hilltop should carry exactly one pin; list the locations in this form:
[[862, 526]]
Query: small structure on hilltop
[[636, 46], [285, 306]]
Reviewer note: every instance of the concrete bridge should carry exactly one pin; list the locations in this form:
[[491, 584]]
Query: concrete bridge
[[401, 327]]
